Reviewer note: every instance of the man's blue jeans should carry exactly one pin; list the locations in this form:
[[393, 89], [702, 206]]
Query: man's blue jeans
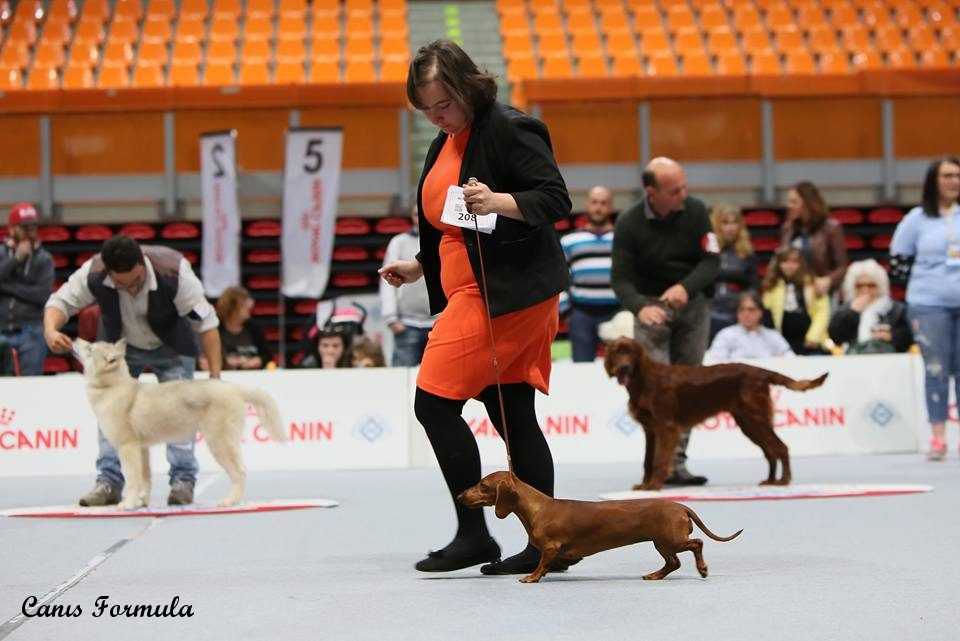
[[584, 324], [408, 346], [31, 349], [168, 366], [937, 331]]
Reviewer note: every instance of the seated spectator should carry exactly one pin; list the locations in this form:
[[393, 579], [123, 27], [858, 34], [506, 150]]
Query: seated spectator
[[808, 227], [748, 338], [793, 306], [738, 266], [870, 322], [244, 345], [367, 352], [328, 339]]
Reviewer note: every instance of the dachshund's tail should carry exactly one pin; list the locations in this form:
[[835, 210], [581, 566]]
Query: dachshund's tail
[[696, 519], [797, 386]]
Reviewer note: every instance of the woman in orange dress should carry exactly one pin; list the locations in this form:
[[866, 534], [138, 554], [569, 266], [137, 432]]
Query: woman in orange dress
[[509, 157]]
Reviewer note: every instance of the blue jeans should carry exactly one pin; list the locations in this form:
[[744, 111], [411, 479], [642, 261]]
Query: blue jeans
[[31, 349], [168, 366], [584, 324], [408, 346], [937, 331]]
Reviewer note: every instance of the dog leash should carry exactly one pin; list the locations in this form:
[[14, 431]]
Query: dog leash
[[493, 342]]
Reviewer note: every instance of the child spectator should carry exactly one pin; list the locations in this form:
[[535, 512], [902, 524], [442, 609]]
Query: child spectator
[[748, 338], [367, 352], [793, 306]]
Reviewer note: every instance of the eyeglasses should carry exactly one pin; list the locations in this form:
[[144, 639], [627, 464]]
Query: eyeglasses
[[865, 286], [748, 309]]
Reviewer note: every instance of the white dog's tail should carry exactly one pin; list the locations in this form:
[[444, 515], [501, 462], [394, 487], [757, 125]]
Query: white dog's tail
[[267, 410]]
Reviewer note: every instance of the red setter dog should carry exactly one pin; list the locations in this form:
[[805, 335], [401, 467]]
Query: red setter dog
[[666, 399]]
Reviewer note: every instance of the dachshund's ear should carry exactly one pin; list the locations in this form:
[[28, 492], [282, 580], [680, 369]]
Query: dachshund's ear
[[504, 502]]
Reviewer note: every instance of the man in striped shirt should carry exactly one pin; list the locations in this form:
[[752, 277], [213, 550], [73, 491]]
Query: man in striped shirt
[[587, 250]]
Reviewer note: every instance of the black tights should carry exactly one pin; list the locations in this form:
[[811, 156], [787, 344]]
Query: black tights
[[456, 447]]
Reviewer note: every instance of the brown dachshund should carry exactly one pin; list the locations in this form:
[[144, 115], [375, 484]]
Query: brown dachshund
[[570, 530], [666, 399]]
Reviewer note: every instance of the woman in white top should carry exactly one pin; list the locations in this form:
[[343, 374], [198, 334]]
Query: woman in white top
[[748, 338]]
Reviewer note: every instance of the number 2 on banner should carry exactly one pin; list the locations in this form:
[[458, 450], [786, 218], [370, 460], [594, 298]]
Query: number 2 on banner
[[314, 157]]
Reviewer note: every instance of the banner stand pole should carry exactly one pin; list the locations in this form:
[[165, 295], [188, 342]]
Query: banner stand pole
[[282, 317]]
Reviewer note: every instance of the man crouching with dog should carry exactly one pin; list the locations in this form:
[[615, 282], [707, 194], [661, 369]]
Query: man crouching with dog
[[151, 297]]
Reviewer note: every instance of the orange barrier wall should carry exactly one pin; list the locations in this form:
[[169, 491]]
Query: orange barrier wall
[[121, 132]]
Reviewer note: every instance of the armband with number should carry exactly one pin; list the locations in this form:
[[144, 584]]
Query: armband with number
[[900, 266]]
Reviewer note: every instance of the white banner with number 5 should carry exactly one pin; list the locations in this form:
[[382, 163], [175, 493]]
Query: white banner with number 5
[[311, 186], [221, 213]]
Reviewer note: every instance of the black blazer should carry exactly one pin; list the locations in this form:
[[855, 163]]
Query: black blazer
[[510, 152]]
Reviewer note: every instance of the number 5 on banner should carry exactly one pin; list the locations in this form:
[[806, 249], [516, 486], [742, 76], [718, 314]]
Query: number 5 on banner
[[311, 186], [221, 213]]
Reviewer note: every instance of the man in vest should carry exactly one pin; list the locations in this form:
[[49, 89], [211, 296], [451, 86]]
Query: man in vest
[[150, 296]]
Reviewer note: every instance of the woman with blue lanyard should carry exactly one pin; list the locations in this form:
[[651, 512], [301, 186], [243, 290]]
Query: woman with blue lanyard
[[929, 236]]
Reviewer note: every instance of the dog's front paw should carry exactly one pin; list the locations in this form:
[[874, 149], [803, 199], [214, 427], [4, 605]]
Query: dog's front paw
[[647, 487], [131, 503], [227, 502], [531, 578]]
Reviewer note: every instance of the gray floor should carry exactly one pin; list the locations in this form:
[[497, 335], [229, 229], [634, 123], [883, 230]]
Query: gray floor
[[857, 568]]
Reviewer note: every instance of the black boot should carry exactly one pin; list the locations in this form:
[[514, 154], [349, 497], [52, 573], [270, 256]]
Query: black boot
[[459, 554], [524, 562]]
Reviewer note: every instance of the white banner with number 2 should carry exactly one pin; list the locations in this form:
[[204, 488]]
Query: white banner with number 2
[[221, 213], [311, 186]]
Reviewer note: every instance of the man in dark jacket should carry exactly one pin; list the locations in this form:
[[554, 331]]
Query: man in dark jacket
[[665, 259], [26, 278]]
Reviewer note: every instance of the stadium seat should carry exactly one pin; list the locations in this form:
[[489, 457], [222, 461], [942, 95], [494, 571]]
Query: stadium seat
[[662, 64], [263, 256], [43, 78], [139, 231], [264, 229], [764, 243], [258, 28], [359, 71], [148, 75], [557, 67], [48, 55], [184, 75], [55, 365], [194, 10], [265, 308], [349, 280], [349, 253], [264, 281], [799, 62], [15, 55], [289, 73], [592, 66], [394, 69], [854, 242], [901, 59], [324, 71], [934, 58], [227, 8], [697, 64], [113, 77], [218, 74], [10, 79], [352, 227], [53, 233], [761, 218], [765, 63], [224, 29], [124, 30], [392, 225], [847, 216], [157, 30], [834, 63], [117, 54], [152, 53], [254, 72], [180, 231], [190, 29], [731, 63], [93, 232], [885, 216], [291, 27], [186, 52], [721, 39], [78, 77]]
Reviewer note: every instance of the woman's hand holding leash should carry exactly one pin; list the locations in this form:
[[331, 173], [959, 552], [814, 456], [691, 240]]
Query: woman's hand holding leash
[[400, 272]]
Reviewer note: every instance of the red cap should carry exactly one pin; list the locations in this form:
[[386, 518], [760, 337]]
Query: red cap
[[23, 213]]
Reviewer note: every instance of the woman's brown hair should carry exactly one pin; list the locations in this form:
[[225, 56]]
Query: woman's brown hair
[[774, 274], [814, 204], [474, 89]]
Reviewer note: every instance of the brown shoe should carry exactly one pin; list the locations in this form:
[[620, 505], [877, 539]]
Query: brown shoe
[[181, 493], [103, 493]]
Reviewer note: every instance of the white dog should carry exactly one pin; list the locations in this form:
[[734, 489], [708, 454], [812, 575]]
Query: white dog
[[135, 415]]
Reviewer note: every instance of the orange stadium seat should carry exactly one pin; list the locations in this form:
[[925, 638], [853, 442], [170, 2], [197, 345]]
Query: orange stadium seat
[[721, 39], [514, 47], [162, 8], [395, 24], [866, 58], [130, 9], [822, 39], [258, 27], [592, 66], [647, 17], [697, 64], [810, 16], [220, 52], [254, 73], [43, 78], [157, 29], [680, 17], [225, 8], [64, 10], [843, 16], [552, 44], [291, 50], [746, 17], [124, 29], [291, 27], [934, 59], [190, 29], [357, 47], [765, 62], [731, 63], [78, 77], [941, 16], [57, 30], [23, 32], [48, 55], [218, 74], [184, 74], [514, 23], [835, 62], [186, 52], [950, 39], [557, 67], [294, 7], [662, 63], [855, 38], [520, 68], [394, 46], [789, 39], [875, 15], [626, 65], [713, 17], [84, 55], [194, 9], [89, 31], [394, 69], [261, 9], [359, 71], [224, 29], [256, 51], [779, 16], [324, 71], [653, 42], [31, 10], [581, 23], [113, 77], [6, 13], [901, 59], [325, 50], [326, 27], [921, 38], [118, 54], [96, 10], [148, 75], [287, 73], [688, 41], [152, 54], [755, 39], [799, 62], [888, 38]]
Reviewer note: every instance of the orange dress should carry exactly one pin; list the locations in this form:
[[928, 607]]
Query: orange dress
[[458, 360]]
